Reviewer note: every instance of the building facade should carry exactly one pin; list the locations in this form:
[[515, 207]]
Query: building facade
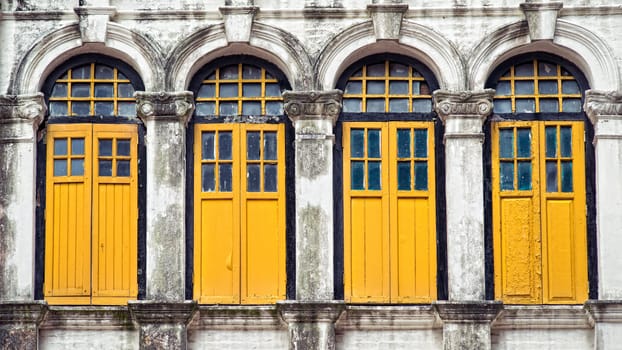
[[319, 174]]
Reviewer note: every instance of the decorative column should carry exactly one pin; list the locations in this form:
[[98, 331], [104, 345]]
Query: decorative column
[[163, 317], [467, 315], [311, 317], [604, 108], [20, 314]]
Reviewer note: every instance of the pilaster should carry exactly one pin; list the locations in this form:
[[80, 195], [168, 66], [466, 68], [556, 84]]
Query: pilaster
[[463, 113], [20, 117], [19, 324], [165, 115], [162, 325], [466, 325]]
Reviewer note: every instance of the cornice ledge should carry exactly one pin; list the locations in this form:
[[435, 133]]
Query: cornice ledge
[[603, 104], [148, 311], [305, 105], [468, 311], [463, 104], [22, 312], [609, 311], [22, 109], [164, 106], [310, 311]]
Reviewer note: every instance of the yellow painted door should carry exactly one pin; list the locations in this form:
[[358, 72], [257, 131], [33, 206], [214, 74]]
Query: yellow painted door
[[540, 247], [389, 212], [91, 214], [239, 213]]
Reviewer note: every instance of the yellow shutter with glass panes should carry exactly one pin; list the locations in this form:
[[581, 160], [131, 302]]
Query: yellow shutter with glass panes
[[91, 214], [239, 217]]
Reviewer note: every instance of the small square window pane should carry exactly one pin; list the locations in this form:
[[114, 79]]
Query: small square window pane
[[104, 108], [58, 108], [229, 72], [403, 176], [503, 88], [207, 145], [525, 105], [354, 87], [83, 72], [125, 90], [77, 147], [208, 177], [551, 176], [251, 72], [225, 177], [373, 172], [103, 72], [105, 168], [524, 88], [253, 150], [60, 167], [269, 178], [549, 105], [228, 90], [224, 145], [357, 143], [104, 90], [506, 143], [571, 105], [352, 105], [398, 105], [123, 168], [375, 87], [416, 88], [126, 109], [59, 90], [105, 147], [547, 87], [274, 108], [205, 108], [207, 90], [228, 108], [421, 176], [375, 105], [506, 176], [421, 143], [524, 70], [251, 90], [81, 108], [251, 108], [524, 176], [547, 69], [570, 87], [565, 142], [77, 167], [123, 147], [567, 176], [60, 147], [422, 105], [269, 146], [252, 178], [80, 90], [503, 106], [273, 90], [357, 175], [551, 141], [398, 70], [403, 143], [373, 143], [398, 87], [524, 143], [375, 70]]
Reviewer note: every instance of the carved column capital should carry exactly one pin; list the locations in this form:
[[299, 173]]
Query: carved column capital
[[321, 105], [603, 104], [171, 106], [20, 116], [463, 104]]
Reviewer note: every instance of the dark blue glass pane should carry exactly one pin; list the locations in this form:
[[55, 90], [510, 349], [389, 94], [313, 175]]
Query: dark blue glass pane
[[375, 70], [525, 105], [269, 145], [77, 167], [269, 178], [224, 145], [503, 88], [273, 90], [104, 90], [77, 146], [207, 144], [567, 176], [60, 147], [208, 183], [524, 70], [422, 105], [506, 143], [546, 87], [354, 87], [421, 143], [229, 72], [251, 72], [551, 176], [105, 147], [253, 176], [123, 147], [416, 88], [125, 90], [123, 168], [373, 171], [81, 90], [58, 108], [274, 108], [398, 70], [570, 87], [506, 176], [551, 141], [104, 108], [352, 105], [251, 90], [549, 105], [398, 87], [59, 90], [571, 105], [524, 143], [547, 69], [375, 105], [105, 168], [403, 176], [82, 72], [60, 167], [502, 106], [251, 108], [357, 143], [565, 141], [207, 90], [523, 88], [357, 175], [421, 176], [398, 105], [373, 143], [228, 90], [127, 109], [224, 177], [524, 175], [403, 143], [103, 72], [253, 149], [375, 87], [80, 108]]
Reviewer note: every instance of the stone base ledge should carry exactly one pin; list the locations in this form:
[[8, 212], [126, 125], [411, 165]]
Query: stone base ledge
[[19, 312], [87, 317], [542, 317], [150, 312], [606, 311], [246, 317], [401, 317], [468, 311], [310, 311]]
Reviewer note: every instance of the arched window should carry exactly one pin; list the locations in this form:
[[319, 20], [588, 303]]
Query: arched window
[[239, 182], [390, 182], [538, 172], [91, 183]]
